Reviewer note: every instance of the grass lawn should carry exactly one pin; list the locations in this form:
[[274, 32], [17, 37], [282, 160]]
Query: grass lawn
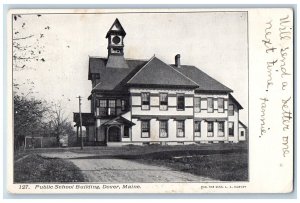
[[33, 169], [224, 167]]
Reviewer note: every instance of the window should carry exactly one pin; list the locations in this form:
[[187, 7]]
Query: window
[[102, 103], [197, 128], [146, 101], [145, 129], [203, 104], [197, 104], [180, 128], [180, 102], [126, 131], [210, 105], [163, 129], [221, 128], [97, 107], [97, 103], [210, 129], [242, 133], [163, 101], [220, 105], [123, 105], [230, 110], [231, 129], [103, 107], [111, 107]]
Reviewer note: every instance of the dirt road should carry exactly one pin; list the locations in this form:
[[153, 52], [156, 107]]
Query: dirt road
[[111, 170]]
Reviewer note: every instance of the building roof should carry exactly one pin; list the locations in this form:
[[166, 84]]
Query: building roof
[[235, 101], [205, 82], [157, 73], [153, 72], [112, 78]]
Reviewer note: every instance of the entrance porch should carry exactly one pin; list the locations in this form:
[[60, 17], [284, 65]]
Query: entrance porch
[[117, 130], [88, 130]]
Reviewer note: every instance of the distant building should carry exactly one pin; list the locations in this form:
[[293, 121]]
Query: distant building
[[148, 101]]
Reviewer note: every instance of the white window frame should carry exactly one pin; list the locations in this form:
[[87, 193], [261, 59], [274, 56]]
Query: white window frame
[[145, 106], [166, 133], [221, 107], [182, 132], [198, 132], [197, 108], [163, 107], [210, 109], [210, 133], [145, 134]]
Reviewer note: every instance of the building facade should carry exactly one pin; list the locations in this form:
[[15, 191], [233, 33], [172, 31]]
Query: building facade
[[148, 101]]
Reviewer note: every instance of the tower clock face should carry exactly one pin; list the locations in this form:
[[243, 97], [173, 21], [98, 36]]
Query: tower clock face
[[116, 39]]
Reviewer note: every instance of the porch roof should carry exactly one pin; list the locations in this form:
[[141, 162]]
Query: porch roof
[[87, 119], [118, 121]]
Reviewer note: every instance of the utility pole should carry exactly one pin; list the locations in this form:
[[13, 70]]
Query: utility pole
[[80, 118]]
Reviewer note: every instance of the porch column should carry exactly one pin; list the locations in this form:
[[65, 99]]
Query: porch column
[[122, 132], [98, 131], [77, 132], [106, 134], [87, 133]]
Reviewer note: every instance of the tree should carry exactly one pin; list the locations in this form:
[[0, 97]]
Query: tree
[[32, 116], [29, 112], [59, 122], [27, 44], [29, 118]]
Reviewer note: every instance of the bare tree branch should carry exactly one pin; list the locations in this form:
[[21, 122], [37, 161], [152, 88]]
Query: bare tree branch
[[23, 37]]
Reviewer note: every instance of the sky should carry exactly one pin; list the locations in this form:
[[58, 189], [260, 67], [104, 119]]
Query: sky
[[215, 42]]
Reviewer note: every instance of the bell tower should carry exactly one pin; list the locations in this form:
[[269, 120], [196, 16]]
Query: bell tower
[[115, 37]]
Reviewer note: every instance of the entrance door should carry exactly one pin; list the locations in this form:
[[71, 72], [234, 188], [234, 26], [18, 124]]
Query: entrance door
[[114, 134]]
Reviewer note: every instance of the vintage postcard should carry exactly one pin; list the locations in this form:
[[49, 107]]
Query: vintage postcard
[[150, 101]]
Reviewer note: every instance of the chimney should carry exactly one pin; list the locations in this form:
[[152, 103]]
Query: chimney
[[177, 60]]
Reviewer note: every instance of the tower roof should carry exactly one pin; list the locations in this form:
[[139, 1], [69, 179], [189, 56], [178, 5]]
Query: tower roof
[[116, 28]]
